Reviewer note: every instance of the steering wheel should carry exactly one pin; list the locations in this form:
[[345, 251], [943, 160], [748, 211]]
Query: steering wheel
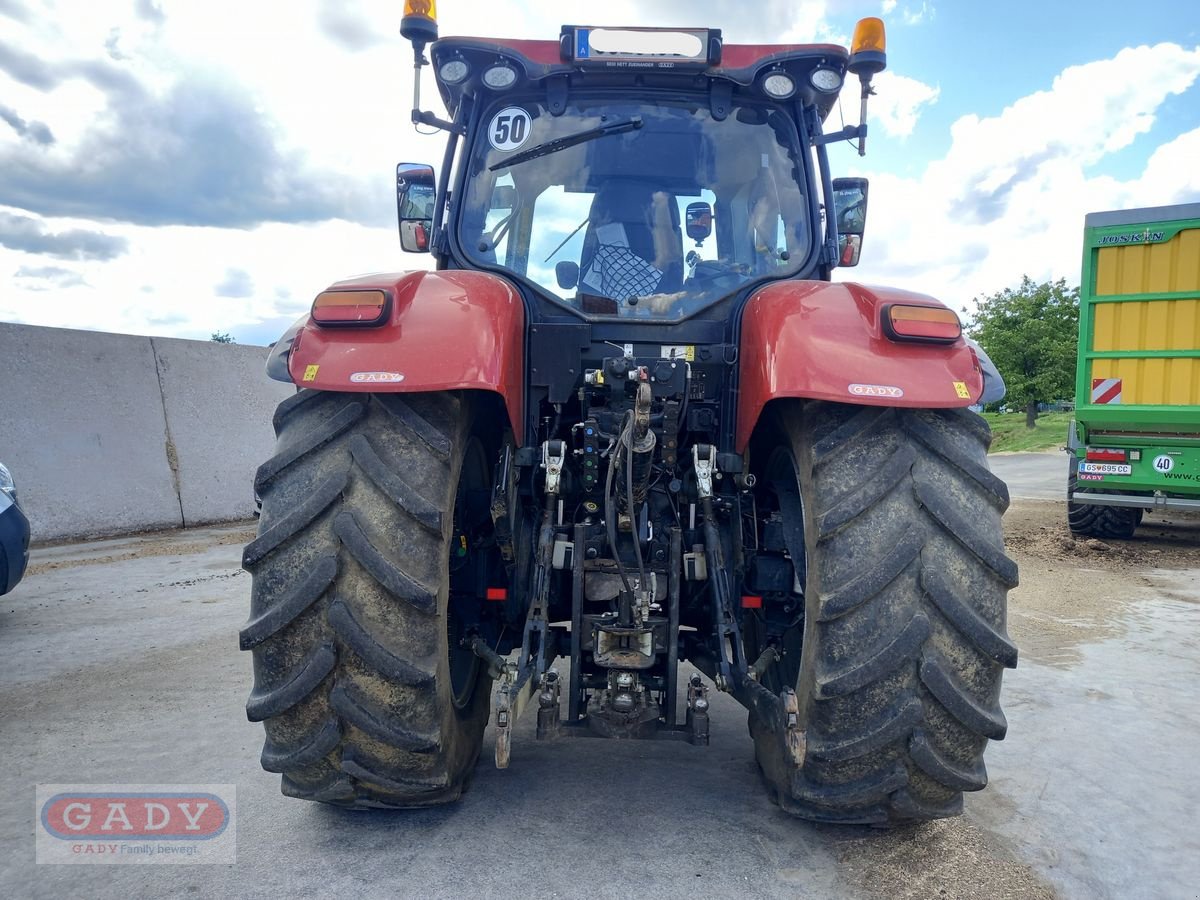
[[711, 269]]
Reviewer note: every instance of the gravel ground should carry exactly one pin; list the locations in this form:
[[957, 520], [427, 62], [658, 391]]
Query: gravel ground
[[119, 663]]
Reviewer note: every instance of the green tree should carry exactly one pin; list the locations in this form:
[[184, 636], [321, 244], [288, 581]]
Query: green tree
[[222, 337], [1031, 334]]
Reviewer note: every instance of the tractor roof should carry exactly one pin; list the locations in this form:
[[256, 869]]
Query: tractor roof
[[740, 66]]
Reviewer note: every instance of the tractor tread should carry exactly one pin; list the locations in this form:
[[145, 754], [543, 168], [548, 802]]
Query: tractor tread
[[987, 640], [360, 640], [902, 649], [285, 409], [935, 675], [367, 716], [353, 765], [872, 788], [393, 483], [298, 684], [901, 657], [892, 729], [279, 759], [856, 590], [317, 436], [394, 579], [873, 489], [402, 411], [992, 486], [348, 621], [296, 520], [967, 532], [942, 770], [290, 605]]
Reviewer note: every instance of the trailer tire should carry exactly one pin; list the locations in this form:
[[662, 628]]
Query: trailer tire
[[897, 671], [366, 700], [1089, 520]]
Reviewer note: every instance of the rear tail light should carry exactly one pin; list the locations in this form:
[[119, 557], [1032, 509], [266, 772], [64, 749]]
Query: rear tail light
[[1106, 454], [921, 323], [350, 308]]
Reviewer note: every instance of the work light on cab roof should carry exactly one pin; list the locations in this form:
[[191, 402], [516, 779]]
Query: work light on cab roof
[[469, 66]]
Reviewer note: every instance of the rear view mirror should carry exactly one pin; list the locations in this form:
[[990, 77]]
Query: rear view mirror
[[850, 215], [416, 194], [504, 196], [698, 221]]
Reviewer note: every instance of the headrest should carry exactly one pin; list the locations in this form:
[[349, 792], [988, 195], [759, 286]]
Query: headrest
[[622, 201]]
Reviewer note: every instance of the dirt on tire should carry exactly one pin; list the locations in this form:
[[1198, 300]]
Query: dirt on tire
[[348, 621], [904, 633]]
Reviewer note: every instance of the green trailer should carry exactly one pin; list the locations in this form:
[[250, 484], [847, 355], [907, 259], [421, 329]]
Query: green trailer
[[1135, 441]]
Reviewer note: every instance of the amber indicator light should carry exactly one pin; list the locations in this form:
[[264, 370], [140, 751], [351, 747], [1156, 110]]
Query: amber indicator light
[[349, 308]]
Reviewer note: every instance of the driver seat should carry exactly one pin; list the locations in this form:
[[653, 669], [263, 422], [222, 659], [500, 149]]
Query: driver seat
[[619, 245]]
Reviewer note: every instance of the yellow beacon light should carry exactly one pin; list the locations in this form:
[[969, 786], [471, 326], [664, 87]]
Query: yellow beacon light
[[868, 35], [419, 24], [868, 50]]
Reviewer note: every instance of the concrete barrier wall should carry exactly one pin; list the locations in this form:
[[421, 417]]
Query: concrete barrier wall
[[111, 433]]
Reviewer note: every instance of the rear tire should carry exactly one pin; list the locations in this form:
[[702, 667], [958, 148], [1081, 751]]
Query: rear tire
[[898, 667], [1089, 520], [365, 701]]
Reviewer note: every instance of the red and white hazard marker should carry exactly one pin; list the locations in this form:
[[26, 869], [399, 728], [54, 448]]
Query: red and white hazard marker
[[1106, 390]]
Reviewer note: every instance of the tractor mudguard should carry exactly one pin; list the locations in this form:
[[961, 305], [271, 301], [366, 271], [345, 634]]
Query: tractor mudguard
[[442, 331], [826, 341]]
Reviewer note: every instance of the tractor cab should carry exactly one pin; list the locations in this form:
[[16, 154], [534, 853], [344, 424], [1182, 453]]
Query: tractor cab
[[636, 174]]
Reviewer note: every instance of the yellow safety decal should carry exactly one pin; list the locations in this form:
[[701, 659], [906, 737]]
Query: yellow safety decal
[[678, 351], [960, 388], [310, 373]]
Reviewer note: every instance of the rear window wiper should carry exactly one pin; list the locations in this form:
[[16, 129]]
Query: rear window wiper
[[631, 124]]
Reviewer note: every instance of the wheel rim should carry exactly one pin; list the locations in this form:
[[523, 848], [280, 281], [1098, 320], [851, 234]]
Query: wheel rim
[[780, 477], [464, 664]]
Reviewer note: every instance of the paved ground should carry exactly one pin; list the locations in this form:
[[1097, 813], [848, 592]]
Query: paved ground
[[1033, 476], [118, 663]]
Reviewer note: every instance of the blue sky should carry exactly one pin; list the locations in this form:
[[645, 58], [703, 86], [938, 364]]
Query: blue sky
[[983, 56], [178, 167]]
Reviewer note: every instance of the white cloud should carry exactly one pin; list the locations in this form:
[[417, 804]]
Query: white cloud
[[898, 102], [915, 15], [1009, 196]]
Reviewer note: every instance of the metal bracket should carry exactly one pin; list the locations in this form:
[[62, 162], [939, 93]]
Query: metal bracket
[[516, 689], [548, 719], [849, 133], [720, 98], [765, 660], [504, 719], [554, 457], [697, 711], [704, 459], [794, 741], [556, 95]]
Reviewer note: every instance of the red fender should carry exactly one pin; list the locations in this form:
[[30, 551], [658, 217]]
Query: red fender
[[444, 331], [825, 341]]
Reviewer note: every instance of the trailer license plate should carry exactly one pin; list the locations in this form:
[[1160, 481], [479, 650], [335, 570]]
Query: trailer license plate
[[1106, 468]]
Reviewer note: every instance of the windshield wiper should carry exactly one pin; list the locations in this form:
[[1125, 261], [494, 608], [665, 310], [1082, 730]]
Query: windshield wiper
[[572, 140]]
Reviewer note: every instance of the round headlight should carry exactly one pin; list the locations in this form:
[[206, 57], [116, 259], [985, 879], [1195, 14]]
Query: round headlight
[[778, 86], [827, 80], [500, 77], [454, 71]]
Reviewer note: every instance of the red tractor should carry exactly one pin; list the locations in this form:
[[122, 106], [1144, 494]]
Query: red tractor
[[629, 422]]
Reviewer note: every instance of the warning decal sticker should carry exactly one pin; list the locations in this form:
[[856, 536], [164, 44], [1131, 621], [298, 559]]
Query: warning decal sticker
[[1106, 390]]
